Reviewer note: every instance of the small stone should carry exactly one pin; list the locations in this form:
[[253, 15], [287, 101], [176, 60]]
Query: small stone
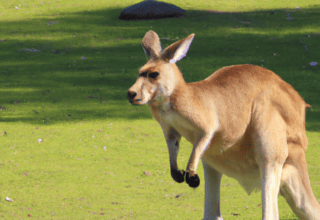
[[147, 173], [8, 199]]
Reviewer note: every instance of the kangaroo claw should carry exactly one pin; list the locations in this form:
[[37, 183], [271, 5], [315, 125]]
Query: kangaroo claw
[[193, 181], [178, 175]]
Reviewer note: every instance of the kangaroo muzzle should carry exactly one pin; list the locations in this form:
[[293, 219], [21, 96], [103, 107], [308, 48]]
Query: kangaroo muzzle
[[131, 96]]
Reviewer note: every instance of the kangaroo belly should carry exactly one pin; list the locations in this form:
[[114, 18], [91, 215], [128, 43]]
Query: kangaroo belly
[[237, 162]]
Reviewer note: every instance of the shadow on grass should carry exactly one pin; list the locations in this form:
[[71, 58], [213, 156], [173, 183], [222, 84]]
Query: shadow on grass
[[88, 59]]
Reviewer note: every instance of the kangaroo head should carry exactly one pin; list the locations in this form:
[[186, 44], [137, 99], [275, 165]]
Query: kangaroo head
[[160, 76]]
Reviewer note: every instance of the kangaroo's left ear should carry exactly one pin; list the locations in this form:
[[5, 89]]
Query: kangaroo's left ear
[[178, 50], [151, 45]]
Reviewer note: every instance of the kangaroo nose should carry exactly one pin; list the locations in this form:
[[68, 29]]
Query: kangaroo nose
[[131, 95]]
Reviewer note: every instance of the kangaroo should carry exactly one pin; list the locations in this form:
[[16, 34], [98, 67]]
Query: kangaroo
[[243, 121]]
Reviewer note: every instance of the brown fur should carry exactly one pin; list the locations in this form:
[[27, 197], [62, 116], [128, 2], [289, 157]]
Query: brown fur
[[244, 121]]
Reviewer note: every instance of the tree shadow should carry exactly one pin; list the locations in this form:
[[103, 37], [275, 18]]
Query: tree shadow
[[92, 58]]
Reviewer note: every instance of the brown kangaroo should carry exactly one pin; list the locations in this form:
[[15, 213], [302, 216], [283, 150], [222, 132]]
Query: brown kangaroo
[[243, 121]]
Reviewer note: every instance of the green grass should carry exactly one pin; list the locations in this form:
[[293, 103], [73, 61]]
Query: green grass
[[96, 146]]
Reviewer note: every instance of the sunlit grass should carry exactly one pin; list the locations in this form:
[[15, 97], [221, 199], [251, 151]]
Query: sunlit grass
[[96, 146]]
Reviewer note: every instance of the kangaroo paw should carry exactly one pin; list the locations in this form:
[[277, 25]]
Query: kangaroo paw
[[178, 175], [193, 181]]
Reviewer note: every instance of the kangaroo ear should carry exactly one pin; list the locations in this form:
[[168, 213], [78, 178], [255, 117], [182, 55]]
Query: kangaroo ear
[[151, 44], [178, 50]]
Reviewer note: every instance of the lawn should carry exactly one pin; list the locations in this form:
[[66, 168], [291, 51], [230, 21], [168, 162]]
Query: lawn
[[72, 147]]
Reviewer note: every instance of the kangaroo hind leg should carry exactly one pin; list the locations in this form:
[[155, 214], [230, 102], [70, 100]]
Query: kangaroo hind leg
[[295, 185], [271, 151], [212, 193]]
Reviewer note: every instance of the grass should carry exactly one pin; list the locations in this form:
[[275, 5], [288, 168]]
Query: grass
[[96, 147]]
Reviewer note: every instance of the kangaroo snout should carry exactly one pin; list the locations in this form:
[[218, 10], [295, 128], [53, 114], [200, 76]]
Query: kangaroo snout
[[131, 95]]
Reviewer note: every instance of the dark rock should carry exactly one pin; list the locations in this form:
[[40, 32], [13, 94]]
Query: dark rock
[[151, 9]]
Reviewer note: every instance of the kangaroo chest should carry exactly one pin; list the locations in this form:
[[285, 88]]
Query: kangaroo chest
[[180, 124]]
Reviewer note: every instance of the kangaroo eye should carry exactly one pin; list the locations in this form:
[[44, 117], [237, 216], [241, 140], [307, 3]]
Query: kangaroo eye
[[153, 75], [143, 74]]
